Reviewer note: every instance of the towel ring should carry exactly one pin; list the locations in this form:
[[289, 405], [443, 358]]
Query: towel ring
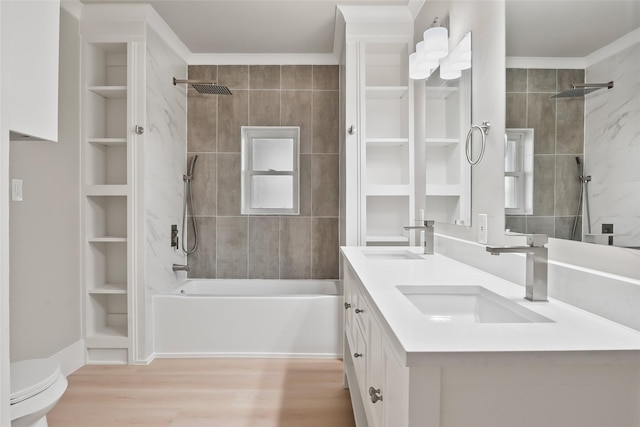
[[484, 130]]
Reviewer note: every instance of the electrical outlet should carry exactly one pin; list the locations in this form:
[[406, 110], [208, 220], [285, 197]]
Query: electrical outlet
[[482, 228]]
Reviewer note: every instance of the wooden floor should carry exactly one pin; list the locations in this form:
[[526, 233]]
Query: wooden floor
[[207, 392]]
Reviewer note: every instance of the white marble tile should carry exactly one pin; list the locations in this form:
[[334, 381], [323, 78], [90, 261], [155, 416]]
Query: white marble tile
[[165, 159], [612, 143]]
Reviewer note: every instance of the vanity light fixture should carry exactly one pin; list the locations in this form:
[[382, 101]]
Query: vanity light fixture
[[447, 71], [416, 71], [436, 41], [461, 54]]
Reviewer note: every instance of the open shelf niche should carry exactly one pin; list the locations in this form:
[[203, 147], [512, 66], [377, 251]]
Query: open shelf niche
[[106, 161], [388, 146]]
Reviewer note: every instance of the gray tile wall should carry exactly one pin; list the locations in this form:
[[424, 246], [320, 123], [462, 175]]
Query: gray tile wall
[[237, 246], [558, 139]]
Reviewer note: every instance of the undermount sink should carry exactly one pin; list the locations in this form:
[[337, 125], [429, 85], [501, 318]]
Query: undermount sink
[[472, 304], [391, 254]]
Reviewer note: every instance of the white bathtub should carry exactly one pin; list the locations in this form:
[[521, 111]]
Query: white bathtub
[[257, 318]]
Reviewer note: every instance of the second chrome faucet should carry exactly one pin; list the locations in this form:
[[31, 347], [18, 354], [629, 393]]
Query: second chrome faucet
[[537, 260], [428, 234]]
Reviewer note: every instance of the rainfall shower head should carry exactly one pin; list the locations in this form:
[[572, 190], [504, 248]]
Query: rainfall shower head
[[204, 86], [579, 90]]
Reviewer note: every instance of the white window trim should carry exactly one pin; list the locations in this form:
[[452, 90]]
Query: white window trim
[[249, 133], [524, 145]]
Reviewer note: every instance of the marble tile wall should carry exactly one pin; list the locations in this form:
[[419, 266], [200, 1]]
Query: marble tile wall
[[236, 246], [558, 139], [164, 156], [612, 146]]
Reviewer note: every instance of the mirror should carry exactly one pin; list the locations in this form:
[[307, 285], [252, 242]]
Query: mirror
[[270, 170], [586, 179], [447, 118]]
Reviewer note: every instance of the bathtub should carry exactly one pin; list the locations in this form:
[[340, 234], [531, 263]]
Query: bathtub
[[253, 318]]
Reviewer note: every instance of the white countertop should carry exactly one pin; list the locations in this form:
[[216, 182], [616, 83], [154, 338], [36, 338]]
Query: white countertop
[[573, 336]]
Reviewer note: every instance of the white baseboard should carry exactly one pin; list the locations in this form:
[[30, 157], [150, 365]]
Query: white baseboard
[[249, 355], [144, 362], [71, 358]]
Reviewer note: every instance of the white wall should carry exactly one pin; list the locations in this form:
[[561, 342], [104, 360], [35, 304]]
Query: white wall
[[486, 21], [4, 242], [45, 243]]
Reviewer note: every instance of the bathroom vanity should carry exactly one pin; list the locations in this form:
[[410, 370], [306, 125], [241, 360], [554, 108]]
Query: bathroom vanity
[[431, 342]]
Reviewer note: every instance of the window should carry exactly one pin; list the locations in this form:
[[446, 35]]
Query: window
[[518, 172], [270, 170]]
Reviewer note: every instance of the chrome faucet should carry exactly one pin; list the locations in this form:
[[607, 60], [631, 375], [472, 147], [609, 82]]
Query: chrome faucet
[[179, 267], [428, 234], [537, 260]]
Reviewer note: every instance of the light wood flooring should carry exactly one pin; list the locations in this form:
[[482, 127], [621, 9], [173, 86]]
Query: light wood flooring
[[207, 392]]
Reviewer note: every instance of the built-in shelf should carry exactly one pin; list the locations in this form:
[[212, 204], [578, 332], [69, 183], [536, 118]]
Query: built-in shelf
[[108, 141], [110, 92], [439, 92], [109, 289], [441, 142], [443, 190], [107, 239], [108, 336], [106, 200], [387, 142], [386, 92], [388, 190], [106, 190]]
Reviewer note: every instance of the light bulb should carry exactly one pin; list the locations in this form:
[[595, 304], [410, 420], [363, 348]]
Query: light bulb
[[436, 43]]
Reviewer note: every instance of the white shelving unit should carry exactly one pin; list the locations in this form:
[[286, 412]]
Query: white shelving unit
[[106, 200], [387, 143], [446, 122]]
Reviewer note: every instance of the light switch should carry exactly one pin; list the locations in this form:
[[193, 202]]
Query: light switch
[[482, 228], [16, 190]]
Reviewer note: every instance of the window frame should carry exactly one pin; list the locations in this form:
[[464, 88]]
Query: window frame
[[248, 135], [523, 173]]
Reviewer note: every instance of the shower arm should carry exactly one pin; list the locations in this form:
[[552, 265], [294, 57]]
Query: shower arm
[[592, 85], [193, 82]]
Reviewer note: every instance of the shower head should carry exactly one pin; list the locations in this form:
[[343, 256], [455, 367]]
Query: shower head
[[204, 86], [579, 90]]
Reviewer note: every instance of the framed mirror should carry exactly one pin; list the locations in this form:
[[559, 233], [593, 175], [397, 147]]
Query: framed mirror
[[270, 170], [447, 119]]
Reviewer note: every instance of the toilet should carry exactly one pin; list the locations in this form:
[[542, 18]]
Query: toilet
[[36, 386]]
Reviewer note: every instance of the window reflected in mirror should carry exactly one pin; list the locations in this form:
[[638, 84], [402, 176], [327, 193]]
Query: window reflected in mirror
[[518, 172]]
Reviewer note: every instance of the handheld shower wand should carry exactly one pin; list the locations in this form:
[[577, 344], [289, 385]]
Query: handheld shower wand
[[188, 200]]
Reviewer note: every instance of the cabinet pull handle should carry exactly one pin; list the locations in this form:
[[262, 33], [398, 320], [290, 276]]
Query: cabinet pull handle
[[139, 130], [358, 311], [352, 130], [375, 395], [357, 355], [347, 306]]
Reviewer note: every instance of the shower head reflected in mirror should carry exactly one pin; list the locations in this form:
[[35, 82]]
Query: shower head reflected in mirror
[[205, 86], [579, 90]]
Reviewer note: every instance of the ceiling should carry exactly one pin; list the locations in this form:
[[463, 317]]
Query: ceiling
[[538, 28], [569, 28]]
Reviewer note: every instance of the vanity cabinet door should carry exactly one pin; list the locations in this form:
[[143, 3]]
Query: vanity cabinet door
[[396, 390], [375, 392]]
